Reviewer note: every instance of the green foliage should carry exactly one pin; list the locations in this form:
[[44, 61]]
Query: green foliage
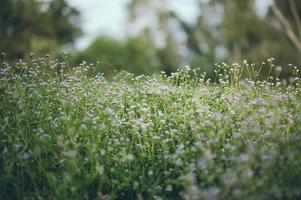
[[168, 56], [137, 55], [108, 53], [64, 135], [233, 26], [134, 55], [36, 26], [255, 38]]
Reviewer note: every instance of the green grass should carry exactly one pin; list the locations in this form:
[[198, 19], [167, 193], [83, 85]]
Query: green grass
[[67, 135]]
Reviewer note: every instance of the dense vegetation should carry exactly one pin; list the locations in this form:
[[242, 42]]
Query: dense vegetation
[[66, 135]]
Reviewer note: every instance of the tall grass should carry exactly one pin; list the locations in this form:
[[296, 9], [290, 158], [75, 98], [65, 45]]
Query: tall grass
[[66, 135]]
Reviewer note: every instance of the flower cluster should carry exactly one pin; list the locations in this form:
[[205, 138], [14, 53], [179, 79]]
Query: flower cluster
[[64, 134]]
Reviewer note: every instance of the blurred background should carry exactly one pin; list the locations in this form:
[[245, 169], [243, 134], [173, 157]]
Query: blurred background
[[148, 36]]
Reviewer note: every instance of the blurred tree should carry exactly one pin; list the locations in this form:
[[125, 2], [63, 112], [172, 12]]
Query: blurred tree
[[168, 54], [249, 36], [201, 40], [36, 26], [136, 55], [289, 16], [233, 30]]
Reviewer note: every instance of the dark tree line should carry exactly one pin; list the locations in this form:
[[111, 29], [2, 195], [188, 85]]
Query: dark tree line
[[36, 26]]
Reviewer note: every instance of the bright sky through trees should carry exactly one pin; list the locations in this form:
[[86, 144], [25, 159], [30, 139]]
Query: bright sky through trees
[[109, 17]]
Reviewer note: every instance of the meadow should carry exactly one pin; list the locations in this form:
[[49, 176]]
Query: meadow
[[67, 134]]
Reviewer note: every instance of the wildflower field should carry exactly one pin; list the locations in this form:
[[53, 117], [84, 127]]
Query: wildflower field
[[65, 134]]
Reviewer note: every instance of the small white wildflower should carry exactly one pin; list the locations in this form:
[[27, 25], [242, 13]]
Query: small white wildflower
[[168, 188], [128, 157], [70, 153], [162, 121], [99, 169], [180, 148], [83, 126], [187, 68], [278, 68], [267, 134], [244, 157], [179, 162], [24, 156], [102, 152]]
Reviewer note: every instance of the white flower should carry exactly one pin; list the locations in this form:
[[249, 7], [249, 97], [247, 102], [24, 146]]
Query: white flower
[[168, 188], [70, 153], [244, 157], [150, 173], [179, 162], [99, 169]]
